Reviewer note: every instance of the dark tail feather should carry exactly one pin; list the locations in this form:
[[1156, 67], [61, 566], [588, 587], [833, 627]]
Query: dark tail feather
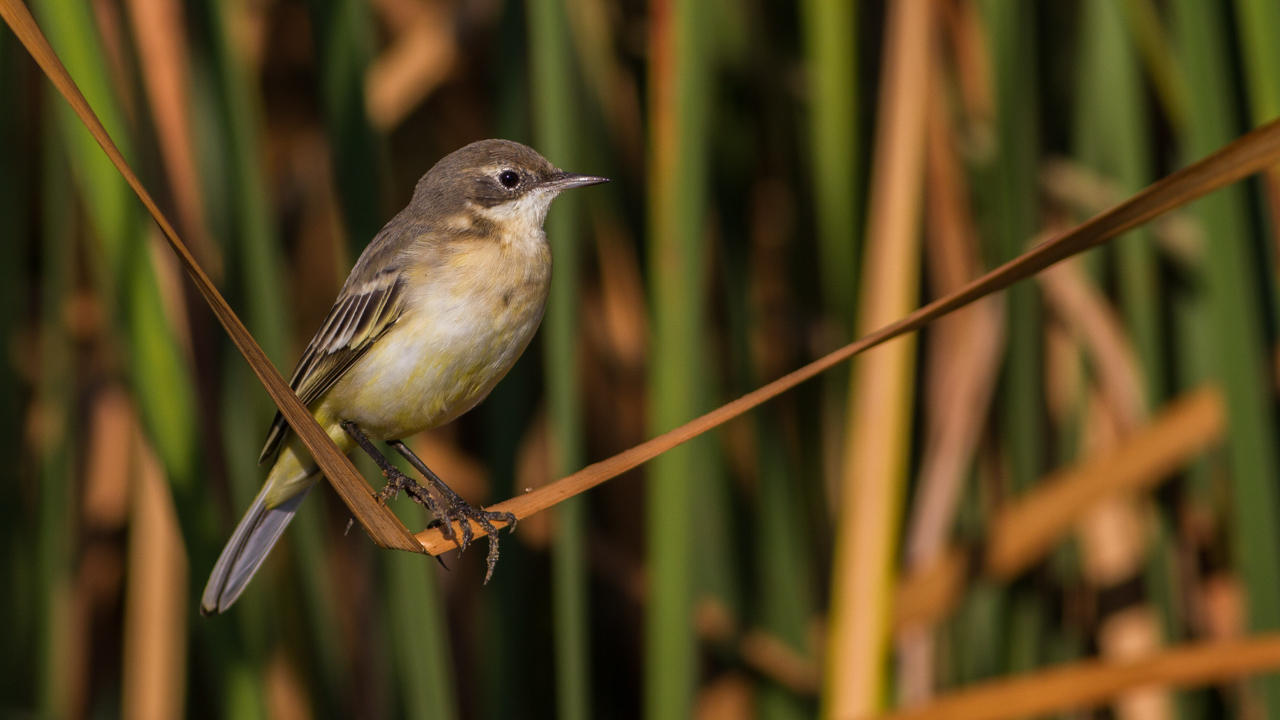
[[247, 548]]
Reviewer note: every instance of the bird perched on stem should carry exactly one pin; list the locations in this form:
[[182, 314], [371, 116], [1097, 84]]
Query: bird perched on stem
[[434, 313]]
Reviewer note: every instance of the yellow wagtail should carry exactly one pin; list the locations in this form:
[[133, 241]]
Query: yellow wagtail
[[434, 313]]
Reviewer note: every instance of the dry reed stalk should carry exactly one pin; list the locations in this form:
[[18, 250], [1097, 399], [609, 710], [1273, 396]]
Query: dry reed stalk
[[1113, 544], [1163, 66], [1093, 682], [381, 524], [287, 697], [973, 73], [1086, 311], [614, 87], [965, 351], [533, 471], [962, 363], [1131, 635], [1083, 190], [1025, 530], [927, 595], [728, 697], [106, 485], [774, 658], [155, 613], [879, 432], [421, 56], [160, 36], [622, 301]]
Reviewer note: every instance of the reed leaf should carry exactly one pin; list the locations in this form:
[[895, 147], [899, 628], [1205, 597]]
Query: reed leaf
[[1111, 129], [16, 535], [830, 34], [343, 34], [881, 398], [419, 633], [677, 167], [56, 537], [556, 109], [1235, 307], [126, 274], [1093, 682], [1009, 219]]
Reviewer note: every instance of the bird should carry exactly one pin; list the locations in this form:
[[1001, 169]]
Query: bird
[[435, 311]]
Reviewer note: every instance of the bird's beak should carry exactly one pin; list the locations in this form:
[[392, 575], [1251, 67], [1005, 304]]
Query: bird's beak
[[564, 181]]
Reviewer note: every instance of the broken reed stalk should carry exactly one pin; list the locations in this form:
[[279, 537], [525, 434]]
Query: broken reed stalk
[[1096, 682], [1243, 157], [1030, 527], [383, 526]]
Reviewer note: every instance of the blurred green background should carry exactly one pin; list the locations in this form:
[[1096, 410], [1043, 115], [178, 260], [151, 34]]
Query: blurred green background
[[785, 177]]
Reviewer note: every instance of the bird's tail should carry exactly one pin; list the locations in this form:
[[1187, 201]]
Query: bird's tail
[[286, 487]]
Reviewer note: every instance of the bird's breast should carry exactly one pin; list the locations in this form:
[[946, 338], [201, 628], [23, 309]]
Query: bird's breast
[[466, 321]]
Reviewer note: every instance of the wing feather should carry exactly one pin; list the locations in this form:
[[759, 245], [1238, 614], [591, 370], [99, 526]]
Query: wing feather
[[359, 317]]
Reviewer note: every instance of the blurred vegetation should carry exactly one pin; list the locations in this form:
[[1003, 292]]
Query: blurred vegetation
[[785, 176]]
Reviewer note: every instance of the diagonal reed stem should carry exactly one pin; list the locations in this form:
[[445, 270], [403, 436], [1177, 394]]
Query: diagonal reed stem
[[385, 529], [1245, 156]]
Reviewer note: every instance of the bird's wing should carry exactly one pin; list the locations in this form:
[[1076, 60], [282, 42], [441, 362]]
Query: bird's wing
[[363, 312]]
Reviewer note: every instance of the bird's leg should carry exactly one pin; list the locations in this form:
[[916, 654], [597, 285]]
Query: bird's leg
[[396, 480], [458, 509]]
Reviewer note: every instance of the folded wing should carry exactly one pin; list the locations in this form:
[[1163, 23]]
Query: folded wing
[[359, 317]]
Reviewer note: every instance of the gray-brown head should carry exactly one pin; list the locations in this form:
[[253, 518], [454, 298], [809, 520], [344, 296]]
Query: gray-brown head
[[497, 179]]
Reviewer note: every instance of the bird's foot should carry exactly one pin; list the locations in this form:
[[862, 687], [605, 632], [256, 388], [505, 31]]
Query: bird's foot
[[455, 509], [459, 510], [396, 480]]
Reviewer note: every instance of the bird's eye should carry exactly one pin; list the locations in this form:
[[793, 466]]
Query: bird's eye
[[509, 178]]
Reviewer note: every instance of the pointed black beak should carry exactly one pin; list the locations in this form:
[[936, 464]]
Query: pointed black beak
[[565, 180]]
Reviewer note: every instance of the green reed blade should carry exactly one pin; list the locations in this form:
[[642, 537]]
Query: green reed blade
[[343, 34], [1008, 219], [556, 109], [161, 378], [1231, 258], [830, 34], [16, 159], [258, 272], [58, 507], [1258, 26], [1112, 138], [417, 620], [785, 591], [677, 176]]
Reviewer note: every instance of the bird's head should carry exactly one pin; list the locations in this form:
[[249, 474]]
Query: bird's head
[[497, 181]]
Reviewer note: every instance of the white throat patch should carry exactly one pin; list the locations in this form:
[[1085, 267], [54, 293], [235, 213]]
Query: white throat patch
[[523, 217]]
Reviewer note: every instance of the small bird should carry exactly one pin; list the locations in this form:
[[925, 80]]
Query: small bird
[[432, 316]]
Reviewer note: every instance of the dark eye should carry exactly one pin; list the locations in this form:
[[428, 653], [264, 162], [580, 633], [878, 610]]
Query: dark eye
[[509, 178]]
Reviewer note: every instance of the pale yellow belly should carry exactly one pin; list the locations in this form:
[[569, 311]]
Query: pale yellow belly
[[436, 363]]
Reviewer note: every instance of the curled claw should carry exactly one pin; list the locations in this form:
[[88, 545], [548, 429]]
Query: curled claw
[[448, 509]]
